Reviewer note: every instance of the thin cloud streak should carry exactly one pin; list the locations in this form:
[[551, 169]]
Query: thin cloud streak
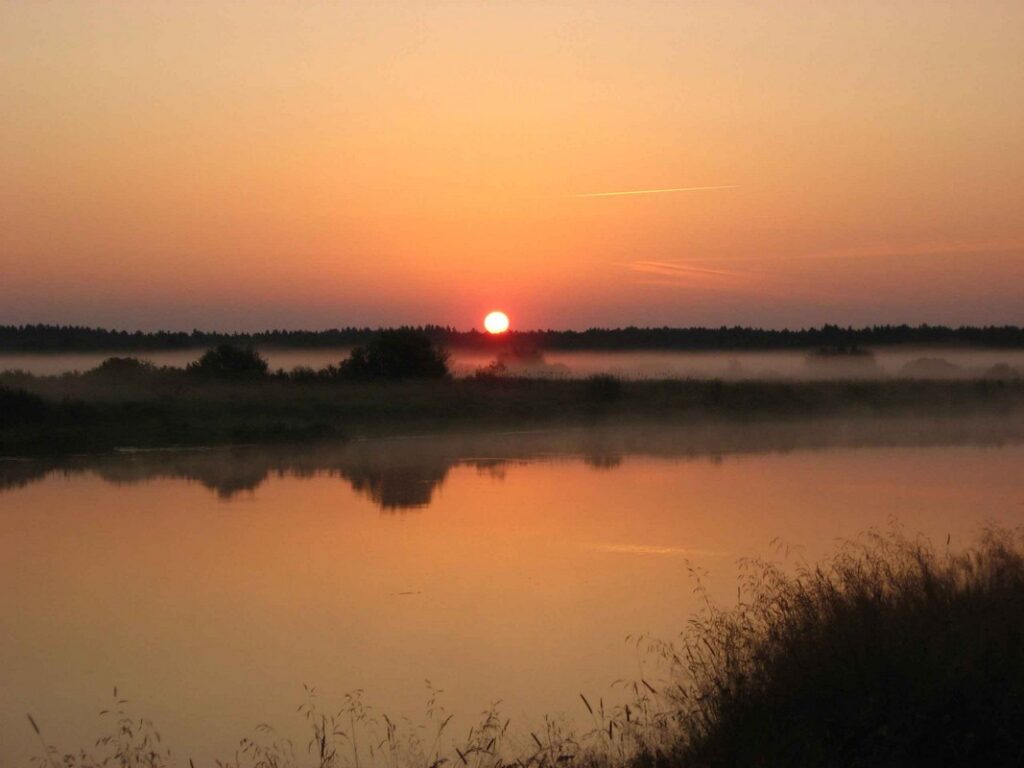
[[983, 248], [677, 275], [672, 269], [655, 191]]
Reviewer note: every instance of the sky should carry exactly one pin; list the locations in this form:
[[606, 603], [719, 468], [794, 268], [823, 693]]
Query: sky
[[237, 166]]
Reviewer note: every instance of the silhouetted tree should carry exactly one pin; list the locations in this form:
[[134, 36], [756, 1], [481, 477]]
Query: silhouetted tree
[[122, 369], [226, 361], [404, 353]]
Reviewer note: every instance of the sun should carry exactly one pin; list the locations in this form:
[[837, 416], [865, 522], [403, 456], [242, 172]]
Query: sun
[[496, 322]]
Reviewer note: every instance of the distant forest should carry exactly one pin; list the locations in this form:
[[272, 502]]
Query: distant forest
[[56, 338]]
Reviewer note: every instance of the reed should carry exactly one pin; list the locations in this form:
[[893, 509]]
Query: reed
[[891, 652]]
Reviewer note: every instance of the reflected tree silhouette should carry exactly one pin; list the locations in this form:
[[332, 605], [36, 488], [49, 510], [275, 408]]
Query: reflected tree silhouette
[[224, 477], [400, 474], [18, 473], [603, 460], [392, 486], [395, 489]]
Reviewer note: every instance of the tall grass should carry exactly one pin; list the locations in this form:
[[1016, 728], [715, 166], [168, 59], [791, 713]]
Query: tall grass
[[891, 652]]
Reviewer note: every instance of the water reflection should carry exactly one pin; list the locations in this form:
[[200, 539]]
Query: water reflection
[[404, 473], [397, 487], [209, 585]]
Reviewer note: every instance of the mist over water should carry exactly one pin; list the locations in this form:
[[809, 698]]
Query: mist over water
[[737, 365], [908, 362], [50, 364]]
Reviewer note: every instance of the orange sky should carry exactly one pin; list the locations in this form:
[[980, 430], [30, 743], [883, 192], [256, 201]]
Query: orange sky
[[229, 165]]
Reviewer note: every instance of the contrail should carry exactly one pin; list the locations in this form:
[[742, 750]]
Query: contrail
[[655, 191]]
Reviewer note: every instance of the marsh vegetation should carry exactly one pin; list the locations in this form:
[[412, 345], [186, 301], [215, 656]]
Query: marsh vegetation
[[891, 652], [83, 413], [400, 380]]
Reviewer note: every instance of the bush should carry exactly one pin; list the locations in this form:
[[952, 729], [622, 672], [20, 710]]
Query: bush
[[226, 361], [493, 372], [303, 373], [20, 407], [1001, 372], [396, 354]]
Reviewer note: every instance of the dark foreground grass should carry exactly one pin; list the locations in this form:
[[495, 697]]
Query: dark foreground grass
[[79, 413], [892, 653]]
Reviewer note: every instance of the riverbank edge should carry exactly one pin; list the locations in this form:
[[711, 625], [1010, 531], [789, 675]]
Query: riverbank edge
[[61, 415]]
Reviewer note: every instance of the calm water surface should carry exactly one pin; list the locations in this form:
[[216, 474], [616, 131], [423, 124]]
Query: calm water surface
[[209, 585]]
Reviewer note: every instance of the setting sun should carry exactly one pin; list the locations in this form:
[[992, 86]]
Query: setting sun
[[762, 258], [496, 322]]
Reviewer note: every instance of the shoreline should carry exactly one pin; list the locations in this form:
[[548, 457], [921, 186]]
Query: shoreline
[[62, 415]]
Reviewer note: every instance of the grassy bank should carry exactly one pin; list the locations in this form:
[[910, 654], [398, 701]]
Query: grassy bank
[[86, 412], [891, 653]]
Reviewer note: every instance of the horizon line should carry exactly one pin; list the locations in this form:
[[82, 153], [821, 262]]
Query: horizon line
[[22, 328]]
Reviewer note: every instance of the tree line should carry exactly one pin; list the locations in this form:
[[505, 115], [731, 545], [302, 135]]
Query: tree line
[[68, 338]]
